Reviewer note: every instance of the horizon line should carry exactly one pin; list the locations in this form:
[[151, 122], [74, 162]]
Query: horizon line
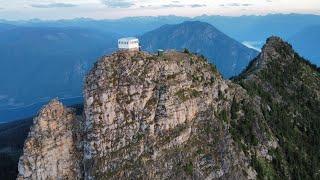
[[157, 16]]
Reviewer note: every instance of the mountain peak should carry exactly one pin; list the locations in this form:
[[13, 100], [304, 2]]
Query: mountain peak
[[276, 51], [226, 53], [274, 40], [277, 57], [275, 47], [53, 104], [196, 23], [53, 139]]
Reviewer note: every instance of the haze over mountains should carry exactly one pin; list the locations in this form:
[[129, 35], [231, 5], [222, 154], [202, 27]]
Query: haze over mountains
[[40, 63], [44, 59], [252, 30], [307, 42], [5, 27], [242, 28]]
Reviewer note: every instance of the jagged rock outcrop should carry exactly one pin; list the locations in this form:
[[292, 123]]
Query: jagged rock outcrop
[[51, 150], [156, 117], [174, 117]]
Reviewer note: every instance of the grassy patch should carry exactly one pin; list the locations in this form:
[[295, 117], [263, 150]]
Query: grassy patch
[[264, 169], [188, 168]]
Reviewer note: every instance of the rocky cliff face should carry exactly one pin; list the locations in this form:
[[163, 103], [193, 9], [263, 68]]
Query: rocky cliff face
[[156, 117], [51, 150], [174, 117]]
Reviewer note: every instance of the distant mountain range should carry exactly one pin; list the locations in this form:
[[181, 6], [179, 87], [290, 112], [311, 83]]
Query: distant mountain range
[[230, 56], [251, 30], [259, 28], [242, 28], [130, 26]]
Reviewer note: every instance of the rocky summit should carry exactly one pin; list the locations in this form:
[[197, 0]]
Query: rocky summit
[[173, 116], [157, 117], [51, 150]]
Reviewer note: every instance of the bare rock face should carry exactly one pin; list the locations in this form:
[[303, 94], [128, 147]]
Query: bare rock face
[[158, 117], [50, 151]]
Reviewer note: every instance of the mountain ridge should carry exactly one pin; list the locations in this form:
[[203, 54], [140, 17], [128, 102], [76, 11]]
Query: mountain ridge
[[272, 44], [288, 90]]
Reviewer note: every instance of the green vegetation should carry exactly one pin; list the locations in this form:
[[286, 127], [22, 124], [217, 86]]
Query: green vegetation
[[186, 94], [264, 169], [244, 127], [223, 115], [186, 51], [197, 78], [213, 69], [288, 91], [188, 168], [138, 137]]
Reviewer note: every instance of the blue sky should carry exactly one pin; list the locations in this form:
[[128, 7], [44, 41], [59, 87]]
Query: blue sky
[[112, 9]]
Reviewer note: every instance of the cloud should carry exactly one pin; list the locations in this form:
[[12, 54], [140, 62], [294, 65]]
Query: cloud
[[118, 3], [197, 5], [182, 5], [247, 4], [53, 5], [172, 5], [236, 5]]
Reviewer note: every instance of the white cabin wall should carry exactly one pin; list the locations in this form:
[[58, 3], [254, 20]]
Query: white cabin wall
[[130, 44]]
